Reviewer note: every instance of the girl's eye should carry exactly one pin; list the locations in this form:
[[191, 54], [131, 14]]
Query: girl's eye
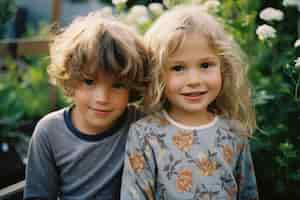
[[119, 85], [88, 81], [205, 65], [177, 68]]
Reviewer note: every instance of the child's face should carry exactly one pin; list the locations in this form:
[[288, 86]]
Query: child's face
[[193, 79], [99, 103]]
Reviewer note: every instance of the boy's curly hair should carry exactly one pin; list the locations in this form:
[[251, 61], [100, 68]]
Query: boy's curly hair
[[93, 44]]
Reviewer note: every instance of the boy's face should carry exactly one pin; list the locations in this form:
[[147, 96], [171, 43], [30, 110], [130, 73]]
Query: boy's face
[[99, 103]]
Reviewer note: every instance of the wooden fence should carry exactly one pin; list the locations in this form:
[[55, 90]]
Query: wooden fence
[[27, 47]]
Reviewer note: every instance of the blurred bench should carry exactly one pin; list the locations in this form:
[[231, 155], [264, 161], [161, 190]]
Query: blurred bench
[[12, 190]]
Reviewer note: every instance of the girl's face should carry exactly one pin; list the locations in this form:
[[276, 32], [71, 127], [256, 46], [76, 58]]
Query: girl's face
[[192, 80]]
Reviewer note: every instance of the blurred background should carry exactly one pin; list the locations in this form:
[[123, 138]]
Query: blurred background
[[267, 30]]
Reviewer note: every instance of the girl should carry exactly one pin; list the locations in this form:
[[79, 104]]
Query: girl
[[195, 145]]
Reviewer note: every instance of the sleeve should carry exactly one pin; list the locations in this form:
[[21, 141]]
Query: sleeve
[[138, 181], [245, 176], [41, 178]]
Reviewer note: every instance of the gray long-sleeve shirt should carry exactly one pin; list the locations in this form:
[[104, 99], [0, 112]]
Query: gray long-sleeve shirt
[[65, 163]]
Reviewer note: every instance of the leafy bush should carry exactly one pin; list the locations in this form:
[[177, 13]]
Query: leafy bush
[[7, 9], [274, 75], [25, 95]]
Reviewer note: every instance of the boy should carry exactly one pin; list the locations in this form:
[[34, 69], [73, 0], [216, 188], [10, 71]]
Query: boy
[[77, 152]]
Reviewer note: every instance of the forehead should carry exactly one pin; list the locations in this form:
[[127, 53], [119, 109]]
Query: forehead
[[104, 76], [194, 46]]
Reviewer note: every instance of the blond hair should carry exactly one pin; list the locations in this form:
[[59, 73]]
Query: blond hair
[[93, 44], [166, 36]]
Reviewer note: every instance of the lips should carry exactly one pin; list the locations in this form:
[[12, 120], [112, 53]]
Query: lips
[[193, 96], [102, 112]]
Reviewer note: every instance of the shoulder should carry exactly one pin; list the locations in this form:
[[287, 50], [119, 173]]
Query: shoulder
[[233, 128], [134, 113], [48, 123], [152, 120], [151, 125], [52, 119]]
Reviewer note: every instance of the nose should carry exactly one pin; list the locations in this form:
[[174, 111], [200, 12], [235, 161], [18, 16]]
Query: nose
[[194, 77], [101, 95]]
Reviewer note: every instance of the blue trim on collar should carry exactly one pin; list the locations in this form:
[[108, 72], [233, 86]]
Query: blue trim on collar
[[100, 136]]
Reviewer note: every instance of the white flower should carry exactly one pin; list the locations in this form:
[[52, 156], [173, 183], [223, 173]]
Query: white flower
[[106, 11], [117, 2], [290, 3], [297, 43], [197, 1], [156, 8], [4, 147], [138, 14], [295, 3], [212, 5], [265, 32], [271, 14], [297, 63], [171, 3]]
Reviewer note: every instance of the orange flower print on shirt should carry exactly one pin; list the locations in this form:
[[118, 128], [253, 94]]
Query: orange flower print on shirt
[[183, 141], [207, 167], [184, 180], [137, 162], [227, 153], [163, 121]]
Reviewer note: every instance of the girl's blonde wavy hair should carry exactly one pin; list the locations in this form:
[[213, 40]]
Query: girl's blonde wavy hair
[[94, 44], [165, 37]]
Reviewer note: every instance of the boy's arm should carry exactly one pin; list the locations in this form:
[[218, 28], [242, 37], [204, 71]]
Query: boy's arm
[[41, 173], [245, 176], [139, 171]]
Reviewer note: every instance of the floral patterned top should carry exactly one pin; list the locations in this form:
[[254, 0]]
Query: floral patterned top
[[167, 160]]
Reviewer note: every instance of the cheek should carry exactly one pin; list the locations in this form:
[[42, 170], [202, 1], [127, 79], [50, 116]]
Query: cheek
[[215, 79], [120, 99], [172, 83], [81, 96], [217, 83]]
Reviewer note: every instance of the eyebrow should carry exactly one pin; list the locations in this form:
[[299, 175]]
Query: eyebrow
[[210, 58]]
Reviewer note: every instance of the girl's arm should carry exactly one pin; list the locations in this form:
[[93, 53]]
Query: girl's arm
[[139, 173], [245, 176]]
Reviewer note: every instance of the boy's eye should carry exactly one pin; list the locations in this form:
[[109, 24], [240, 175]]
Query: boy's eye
[[88, 81], [177, 68], [119, 85]]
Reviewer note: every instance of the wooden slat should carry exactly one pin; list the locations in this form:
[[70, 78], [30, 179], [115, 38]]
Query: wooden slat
[[12, 189], [56, 11], [24, 47]]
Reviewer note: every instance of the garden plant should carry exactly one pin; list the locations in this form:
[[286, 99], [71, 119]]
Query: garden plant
[[267, 31]]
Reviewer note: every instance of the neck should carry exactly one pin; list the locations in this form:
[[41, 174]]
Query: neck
[[191, 118]]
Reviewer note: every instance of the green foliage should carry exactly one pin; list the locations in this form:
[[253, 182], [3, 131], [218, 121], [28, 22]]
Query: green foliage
[[25, 95], [129, 2], [276, 143], [25, 92], [7, 9]]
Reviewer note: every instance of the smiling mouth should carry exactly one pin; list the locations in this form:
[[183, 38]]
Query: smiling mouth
[[101, 111], [193, 94]]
